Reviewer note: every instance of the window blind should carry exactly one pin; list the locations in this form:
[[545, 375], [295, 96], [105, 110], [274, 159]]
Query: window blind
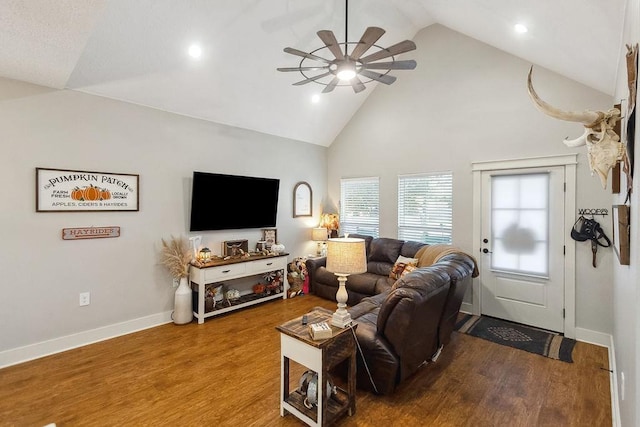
[[360, 206], [425, 207]]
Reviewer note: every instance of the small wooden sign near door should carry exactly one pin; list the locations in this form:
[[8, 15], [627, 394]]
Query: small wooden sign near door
[[80, 233]]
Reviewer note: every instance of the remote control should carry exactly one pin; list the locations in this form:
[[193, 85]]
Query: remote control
[[304, 319]]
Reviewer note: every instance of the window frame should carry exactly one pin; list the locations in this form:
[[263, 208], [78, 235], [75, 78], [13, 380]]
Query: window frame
[[371, 222], [409, 229]]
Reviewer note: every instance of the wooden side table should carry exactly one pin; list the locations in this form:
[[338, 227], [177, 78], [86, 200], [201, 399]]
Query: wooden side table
[[319, 356]]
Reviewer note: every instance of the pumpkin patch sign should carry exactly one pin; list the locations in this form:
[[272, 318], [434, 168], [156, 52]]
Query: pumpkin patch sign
[[62, 190]]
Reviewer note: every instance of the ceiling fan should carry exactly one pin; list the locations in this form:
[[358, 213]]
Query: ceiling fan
[[347, 68]]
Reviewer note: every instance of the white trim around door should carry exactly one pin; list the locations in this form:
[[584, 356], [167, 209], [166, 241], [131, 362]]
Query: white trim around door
[[569, 163]]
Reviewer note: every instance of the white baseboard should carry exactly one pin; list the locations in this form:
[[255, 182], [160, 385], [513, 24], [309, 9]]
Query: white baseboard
[[615, 403], [466, 308], [593, 337], [57, 345]]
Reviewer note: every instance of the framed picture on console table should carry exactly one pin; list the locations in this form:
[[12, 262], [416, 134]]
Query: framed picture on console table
[[63, 190], [235, 247], [270, 236]]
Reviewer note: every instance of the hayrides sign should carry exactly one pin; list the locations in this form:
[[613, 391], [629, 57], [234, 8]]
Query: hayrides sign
[[60, 190]]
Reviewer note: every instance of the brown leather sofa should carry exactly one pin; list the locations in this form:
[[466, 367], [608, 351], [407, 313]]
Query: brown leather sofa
[[382, 253], [401, 324]]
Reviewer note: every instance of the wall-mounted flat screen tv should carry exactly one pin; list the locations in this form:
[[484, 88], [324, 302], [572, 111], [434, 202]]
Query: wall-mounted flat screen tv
[[229, 202]]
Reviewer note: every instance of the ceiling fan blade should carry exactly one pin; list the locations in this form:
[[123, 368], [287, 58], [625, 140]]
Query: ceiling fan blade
[[368, 39], [357, 85], [329, 39], [302, 68], [312, 79], [408, 64], [382, 78], [396, 49], [332, 84], [306, 55]]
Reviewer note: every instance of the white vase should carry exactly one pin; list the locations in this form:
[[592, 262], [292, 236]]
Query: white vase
[[182, 308]]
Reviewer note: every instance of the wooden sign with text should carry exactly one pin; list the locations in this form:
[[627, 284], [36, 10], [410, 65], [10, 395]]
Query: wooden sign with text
[[90, 233], [64, 190]]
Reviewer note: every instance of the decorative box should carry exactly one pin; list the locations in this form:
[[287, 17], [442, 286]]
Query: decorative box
[[320, 331]]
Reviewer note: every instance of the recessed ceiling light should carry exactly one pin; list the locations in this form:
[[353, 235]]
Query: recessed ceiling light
[[520, 28], [195, 51], [315, 98]]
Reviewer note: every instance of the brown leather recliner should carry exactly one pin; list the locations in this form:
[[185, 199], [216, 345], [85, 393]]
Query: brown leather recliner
[[402, 328], [461, 270]]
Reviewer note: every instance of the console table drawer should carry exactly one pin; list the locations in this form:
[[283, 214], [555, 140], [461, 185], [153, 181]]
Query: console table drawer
[[224, 272], [264, 265]]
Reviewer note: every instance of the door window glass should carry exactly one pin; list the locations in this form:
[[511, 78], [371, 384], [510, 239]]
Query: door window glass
[[520, 222]]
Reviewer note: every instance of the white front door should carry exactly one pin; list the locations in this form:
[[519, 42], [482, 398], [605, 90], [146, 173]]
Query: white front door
[[522, 248]]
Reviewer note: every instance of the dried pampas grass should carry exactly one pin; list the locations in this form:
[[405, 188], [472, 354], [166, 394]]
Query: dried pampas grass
[[176, 256]]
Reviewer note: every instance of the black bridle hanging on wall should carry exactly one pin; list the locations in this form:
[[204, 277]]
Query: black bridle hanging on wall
[[589, 229]]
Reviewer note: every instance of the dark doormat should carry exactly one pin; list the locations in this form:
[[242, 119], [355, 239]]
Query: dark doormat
[[538, 341]]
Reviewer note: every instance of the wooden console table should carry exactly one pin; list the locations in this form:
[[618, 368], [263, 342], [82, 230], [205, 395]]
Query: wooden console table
[[239, 273], [319, 356]]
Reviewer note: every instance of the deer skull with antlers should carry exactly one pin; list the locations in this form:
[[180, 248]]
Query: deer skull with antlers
[[604, 148]]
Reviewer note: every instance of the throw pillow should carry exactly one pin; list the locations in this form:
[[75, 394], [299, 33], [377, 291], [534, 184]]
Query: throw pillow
[[407, 269], [400, 265]]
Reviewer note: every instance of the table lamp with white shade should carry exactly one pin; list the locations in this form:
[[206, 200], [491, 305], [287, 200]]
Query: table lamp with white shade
[[345, 256]]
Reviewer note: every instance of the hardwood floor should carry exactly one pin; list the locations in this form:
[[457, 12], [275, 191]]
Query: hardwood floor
[[226, 372]]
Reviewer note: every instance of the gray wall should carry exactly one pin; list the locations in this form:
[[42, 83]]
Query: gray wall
[[467, 102], [626, 331], [42, 275]]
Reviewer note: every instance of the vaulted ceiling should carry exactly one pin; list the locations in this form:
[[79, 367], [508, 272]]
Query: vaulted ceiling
[[136, 51]]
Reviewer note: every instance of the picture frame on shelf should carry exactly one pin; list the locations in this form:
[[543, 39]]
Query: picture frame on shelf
[[302, 200], [235, 247], [270, 237]]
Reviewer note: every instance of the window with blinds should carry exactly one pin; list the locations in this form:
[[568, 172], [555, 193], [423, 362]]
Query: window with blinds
[[425, 207], [360, 206]]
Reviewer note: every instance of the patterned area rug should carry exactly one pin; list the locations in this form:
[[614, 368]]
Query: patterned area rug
[[538, 341]]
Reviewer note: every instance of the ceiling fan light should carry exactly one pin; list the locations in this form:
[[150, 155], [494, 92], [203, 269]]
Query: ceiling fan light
[[346, 73]]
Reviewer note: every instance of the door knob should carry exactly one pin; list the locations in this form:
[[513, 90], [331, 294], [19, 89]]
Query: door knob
[[486, 251], [485, 240]]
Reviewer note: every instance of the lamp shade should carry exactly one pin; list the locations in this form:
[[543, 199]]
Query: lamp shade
[[346, 256], [319, 234]]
